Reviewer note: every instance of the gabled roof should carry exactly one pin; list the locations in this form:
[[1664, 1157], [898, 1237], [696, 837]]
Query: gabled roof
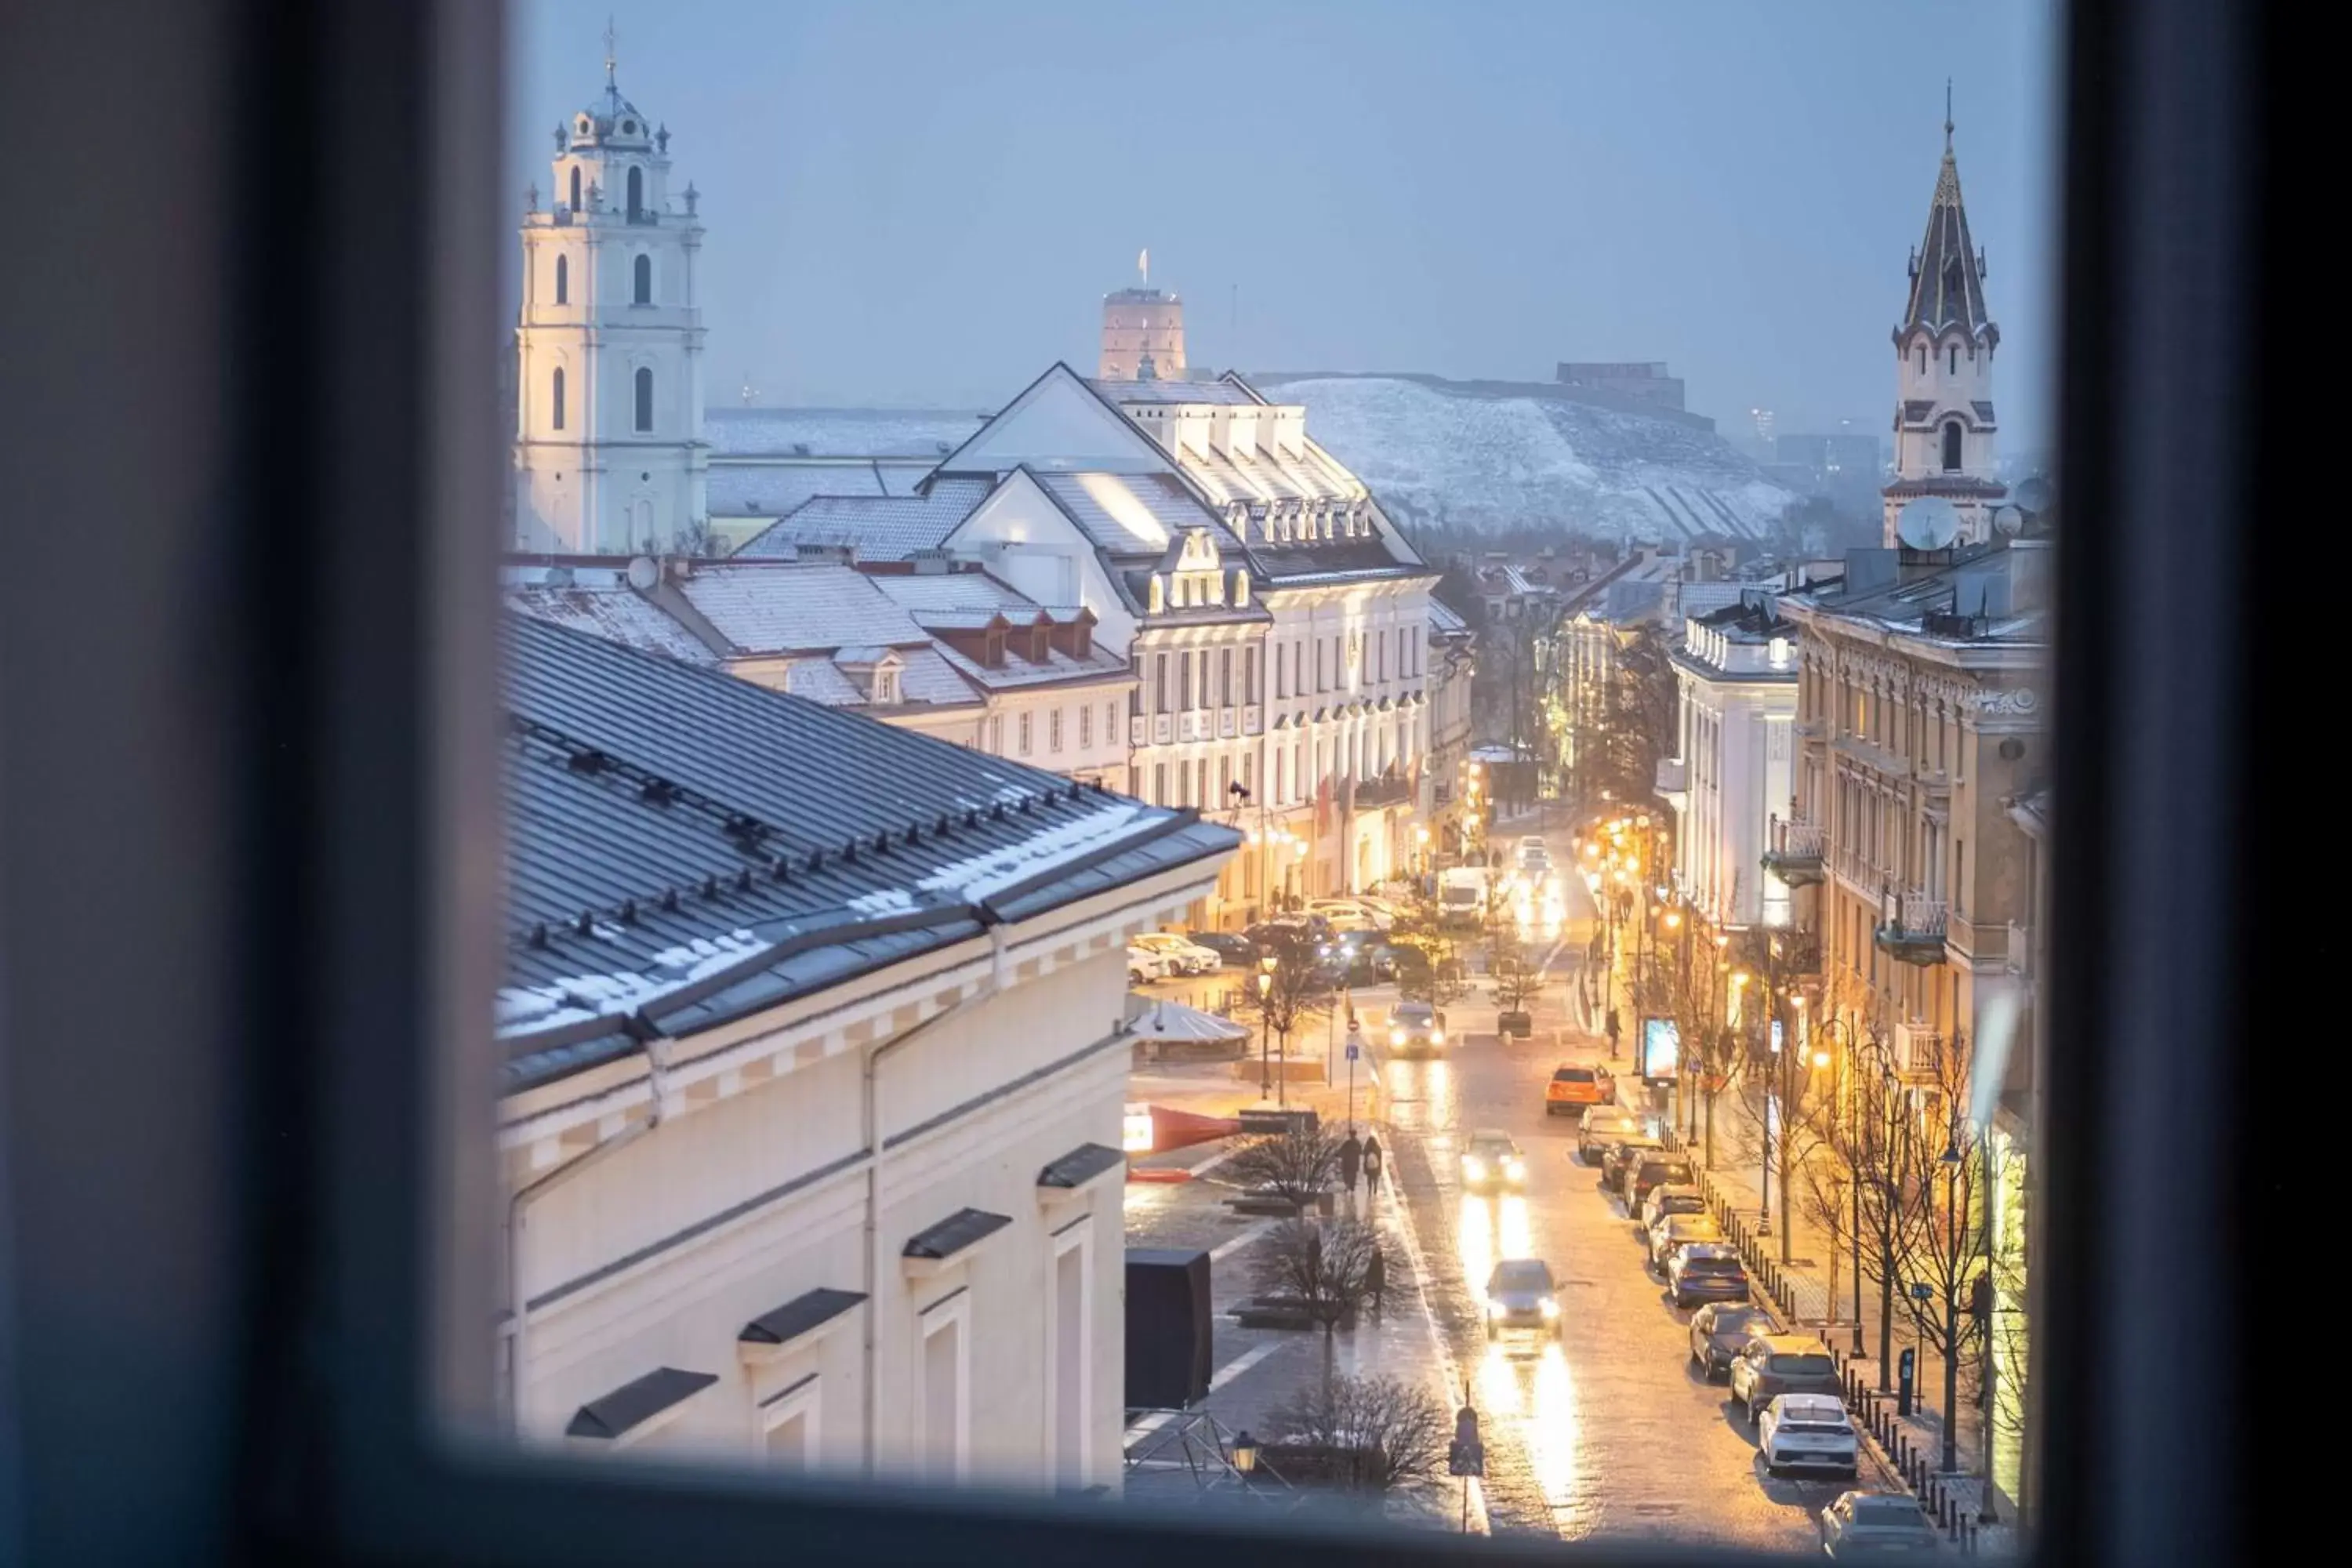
[[776, 606], [882, 527], [685, 849], [1223, 391], [1948, 273], [602, 604]]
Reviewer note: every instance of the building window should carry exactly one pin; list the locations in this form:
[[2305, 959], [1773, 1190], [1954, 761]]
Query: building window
[[575, 188], [1159, 683], [1955, 367], [1054, 730], [556, 394], [1026, 721], [1086, 725], [1923, 359], [1281, 675], [1159, 783], [1249, 673], [645, 398], [1952, 446], [996, 734], [1111, 721], [1183, 682], [563, 281], [1318, 665], [1224, 678], [788, 1426], [644, 281], [637, 193], [946, 1397]]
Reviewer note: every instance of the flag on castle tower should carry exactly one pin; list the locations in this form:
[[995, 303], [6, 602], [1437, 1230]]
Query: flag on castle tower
[[1143, 265]]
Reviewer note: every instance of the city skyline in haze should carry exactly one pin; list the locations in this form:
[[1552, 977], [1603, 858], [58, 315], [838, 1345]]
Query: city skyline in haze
[[922, 205]]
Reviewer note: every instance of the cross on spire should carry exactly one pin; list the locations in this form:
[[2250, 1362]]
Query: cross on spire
[[1948, 114], [611, 44]]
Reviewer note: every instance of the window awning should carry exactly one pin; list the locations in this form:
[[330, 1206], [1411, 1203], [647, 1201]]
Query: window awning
[[802, 1314], [934, 1245], [628, 1409]]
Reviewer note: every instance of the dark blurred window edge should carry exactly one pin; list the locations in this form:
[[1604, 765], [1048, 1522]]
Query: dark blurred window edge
[[248, 837]]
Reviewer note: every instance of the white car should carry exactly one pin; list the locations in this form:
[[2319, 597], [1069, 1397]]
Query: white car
[[1347, 914], [1806, 1432], [1183, 957], [1143, 965], [1532, 841]]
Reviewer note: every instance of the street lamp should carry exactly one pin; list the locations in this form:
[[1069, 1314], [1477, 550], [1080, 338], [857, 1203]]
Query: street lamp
[[1266, 1028], [1244, 1456]]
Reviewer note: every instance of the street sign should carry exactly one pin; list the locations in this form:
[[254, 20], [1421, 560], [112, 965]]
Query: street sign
[[1466, 1459], [1903, 1365], [1921, 1291], [1354, 1050]]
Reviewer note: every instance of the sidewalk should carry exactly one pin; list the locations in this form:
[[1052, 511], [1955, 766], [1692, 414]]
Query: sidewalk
[[1257, 1370]]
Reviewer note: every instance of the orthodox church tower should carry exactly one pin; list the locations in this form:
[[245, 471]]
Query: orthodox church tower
[[609, 458], [1944, 346]]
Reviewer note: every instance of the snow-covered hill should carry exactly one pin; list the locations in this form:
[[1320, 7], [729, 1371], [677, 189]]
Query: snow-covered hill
[[1437, 452]]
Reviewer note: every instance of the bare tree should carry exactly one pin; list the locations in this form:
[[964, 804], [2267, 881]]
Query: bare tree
[[1325, 1267], [1380, 1431], [1298, 1164], [1875, 1174], [1299, 988], [1948, 1246]]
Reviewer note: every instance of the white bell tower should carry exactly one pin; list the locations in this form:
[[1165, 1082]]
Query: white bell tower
[[1944, 427], [609, 458]]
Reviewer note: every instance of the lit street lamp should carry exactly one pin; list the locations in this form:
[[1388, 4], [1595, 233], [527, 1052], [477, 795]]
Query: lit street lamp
[[1265, 1031]]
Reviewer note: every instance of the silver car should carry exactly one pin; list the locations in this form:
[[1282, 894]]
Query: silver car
[[1522, 1297], [1869, 1526]]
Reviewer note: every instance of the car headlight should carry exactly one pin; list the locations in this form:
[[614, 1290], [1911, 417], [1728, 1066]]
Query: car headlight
[[1515, 1168], [1551, 1309], [1396, 1036], [1474, 1169], [1436, 1037]]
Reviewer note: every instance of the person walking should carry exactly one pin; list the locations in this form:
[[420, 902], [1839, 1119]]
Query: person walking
[[1372, 1165], [1351, 1160], [1376, 1278]]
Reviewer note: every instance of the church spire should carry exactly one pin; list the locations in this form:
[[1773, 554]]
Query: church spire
[[612, 54], [1946, 270]]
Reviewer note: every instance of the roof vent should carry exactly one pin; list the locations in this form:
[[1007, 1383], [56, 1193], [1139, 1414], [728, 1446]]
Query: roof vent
[[586, 922], [628, 911], [971, 819], [783, 868], [588, 761], [943, 827], [670, 900], [743, 880], [538, 933], [710, 886], [658, 792], [800, 449], [849, 853]]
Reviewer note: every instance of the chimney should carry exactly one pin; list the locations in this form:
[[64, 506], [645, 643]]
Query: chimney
[[2031, 567]]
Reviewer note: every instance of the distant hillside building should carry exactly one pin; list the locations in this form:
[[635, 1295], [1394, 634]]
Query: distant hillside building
[[1140, 323], [1644, 382]]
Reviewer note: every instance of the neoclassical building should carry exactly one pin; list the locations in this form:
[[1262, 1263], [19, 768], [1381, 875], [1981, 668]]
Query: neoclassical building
[[1736, 668], [609, 457]]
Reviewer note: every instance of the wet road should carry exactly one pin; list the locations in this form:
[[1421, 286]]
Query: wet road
[[1609, 1432]]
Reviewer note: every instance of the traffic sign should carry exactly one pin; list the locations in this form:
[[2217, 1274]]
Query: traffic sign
[[1354, 1050]]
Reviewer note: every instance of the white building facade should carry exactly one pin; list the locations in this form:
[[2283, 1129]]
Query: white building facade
[[1737, 670], [609, 457], [1943, 415], [813, 1164]]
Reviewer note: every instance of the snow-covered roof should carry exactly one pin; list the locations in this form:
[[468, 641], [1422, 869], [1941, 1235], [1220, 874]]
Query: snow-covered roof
[[769, 488], [1133, 514], [780, 607], [607, 607], [839, 432], [882, 527], [1218, 392], [1019, 670], [929, 594]]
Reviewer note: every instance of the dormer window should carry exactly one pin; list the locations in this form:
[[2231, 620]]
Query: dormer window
[[628, 128], [885, 685], [1159, 595], [1040, 647]]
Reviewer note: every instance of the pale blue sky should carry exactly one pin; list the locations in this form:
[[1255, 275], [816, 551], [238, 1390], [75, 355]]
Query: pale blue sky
[[921, 202]]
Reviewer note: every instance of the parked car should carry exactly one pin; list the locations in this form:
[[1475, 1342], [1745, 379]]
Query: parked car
[[1864, 1526], [1671, 1197], [1806, 1432], [1706, 1271], [1184, 957], [1532, 844], [1351, 914], [1624, 1154], [1576, 1087], [1719, 1330], [1491, 1162], [1774, 1364], [1416, 1029], [1522, 1295], [1143, 965], [1676, 1231], [1231, 946], [1599, 1126], [1650, 1171]]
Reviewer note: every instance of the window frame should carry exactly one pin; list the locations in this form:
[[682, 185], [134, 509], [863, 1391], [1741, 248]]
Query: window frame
[[276, 1318]]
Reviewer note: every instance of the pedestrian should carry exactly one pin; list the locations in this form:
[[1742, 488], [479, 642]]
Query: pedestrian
[[1376, 1277], [1372, 1164], [1351, 1158]]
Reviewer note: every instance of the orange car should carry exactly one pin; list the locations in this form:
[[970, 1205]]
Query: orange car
[[1578, 1088]]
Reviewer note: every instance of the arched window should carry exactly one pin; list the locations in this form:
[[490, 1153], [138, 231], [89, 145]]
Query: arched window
[[1954, 351], [1951, 445], [646, 400], [563, 281], [644, 275], [575, 188], [636, 191], [559, 397], [1923, 347]]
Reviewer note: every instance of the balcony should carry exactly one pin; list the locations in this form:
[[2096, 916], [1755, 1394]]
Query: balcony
[[1672, 782], [1392, 789], [1911, 928], [1918, 1054], [1793, 851]]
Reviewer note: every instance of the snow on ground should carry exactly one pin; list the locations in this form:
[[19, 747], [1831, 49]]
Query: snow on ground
[[1477, 460]]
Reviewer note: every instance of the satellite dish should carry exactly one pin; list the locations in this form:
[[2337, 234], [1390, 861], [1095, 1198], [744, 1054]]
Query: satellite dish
[[644, 573], [1931, 522], [2035, 496], [2010, 519]]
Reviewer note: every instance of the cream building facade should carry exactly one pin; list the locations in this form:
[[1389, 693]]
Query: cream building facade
[[1736, 668], [815, 1064]]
